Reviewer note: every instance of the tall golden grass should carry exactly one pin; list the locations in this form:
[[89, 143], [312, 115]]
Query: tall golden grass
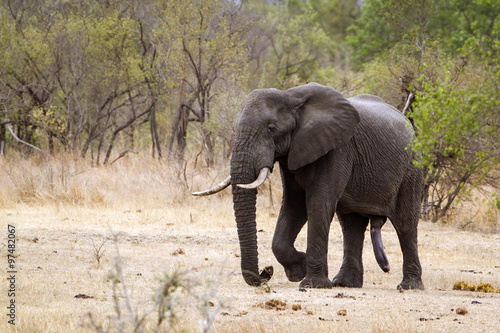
[[142, 180], [68, 180]]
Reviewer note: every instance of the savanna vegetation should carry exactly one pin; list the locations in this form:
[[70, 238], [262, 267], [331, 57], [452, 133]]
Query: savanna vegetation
[[113, 111], [102, 79]]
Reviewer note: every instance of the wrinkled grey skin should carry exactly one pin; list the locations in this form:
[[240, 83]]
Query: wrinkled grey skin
[[336, 155]]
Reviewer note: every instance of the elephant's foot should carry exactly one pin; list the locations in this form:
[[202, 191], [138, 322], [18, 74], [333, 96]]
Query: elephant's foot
[[296, 271], [414, 283], [348, 278], [316, 282]]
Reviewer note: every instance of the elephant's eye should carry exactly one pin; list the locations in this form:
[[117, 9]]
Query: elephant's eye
[[271, 129]]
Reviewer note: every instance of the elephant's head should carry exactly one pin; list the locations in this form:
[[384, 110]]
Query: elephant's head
[[295, 126]]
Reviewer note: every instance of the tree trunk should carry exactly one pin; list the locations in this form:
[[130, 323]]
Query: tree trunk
[[121, 128], [154, 133], [209, 144], [51, 144], [179, 133], [2, 139], [101, 139]]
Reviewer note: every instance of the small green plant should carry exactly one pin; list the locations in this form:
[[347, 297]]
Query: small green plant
[[263, 289]]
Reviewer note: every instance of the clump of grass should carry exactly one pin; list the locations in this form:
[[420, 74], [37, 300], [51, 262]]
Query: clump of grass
[[482, 287], [485, 288], [461, 285]]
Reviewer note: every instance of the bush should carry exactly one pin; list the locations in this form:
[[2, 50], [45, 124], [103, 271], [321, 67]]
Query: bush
[[458, 137]]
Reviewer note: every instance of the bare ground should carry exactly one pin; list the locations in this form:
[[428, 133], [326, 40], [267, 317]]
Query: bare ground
[[56, 247]]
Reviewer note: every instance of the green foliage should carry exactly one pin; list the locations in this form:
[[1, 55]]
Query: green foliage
[[201, 47], [458, 124], [336, 16], [384, 23], [458, 136], [200, 44], [405, 69], [458, 119], [297, 45], [69, 65], [371, 34], [460, 21], [50, 121]]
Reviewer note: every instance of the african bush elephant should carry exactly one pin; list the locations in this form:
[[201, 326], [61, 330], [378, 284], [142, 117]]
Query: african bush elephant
[[336, 155]]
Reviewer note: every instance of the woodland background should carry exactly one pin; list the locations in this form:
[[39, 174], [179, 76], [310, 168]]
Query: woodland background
[[113, 112], [96, 80]]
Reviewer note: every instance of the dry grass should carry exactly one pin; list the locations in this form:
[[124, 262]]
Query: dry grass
[[67, 180], [476, 210], [62, 217]]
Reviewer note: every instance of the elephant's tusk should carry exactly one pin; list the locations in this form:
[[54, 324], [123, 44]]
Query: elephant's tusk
[[260, 179], [215, 189]]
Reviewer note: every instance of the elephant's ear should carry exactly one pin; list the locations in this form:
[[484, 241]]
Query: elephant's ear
[[325, 120]]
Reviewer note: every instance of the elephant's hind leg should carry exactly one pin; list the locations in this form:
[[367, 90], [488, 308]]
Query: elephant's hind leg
[[353, 229], [412, 271], [405, 223]]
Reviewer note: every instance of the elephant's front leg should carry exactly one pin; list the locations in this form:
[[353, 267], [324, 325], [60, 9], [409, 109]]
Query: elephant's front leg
[[351, 271], [320, 216], [292, 218]]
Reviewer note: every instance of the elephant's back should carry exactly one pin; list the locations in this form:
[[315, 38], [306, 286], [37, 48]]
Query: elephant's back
[[382, 130], [381, 142], [373, 110], [381, 123]]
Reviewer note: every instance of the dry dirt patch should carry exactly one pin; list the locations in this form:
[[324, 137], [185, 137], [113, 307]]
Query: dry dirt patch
[[56, 260]]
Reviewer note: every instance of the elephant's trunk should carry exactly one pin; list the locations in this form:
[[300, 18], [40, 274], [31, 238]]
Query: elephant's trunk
[[244, 210]]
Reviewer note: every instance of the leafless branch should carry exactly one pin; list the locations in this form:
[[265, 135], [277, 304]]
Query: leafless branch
[[408, 103], [47, 156], [123, 154], [24, 142]]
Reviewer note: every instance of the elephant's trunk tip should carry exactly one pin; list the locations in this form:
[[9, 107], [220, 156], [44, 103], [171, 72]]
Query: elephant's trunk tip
[[255, 280], [267, 274]]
